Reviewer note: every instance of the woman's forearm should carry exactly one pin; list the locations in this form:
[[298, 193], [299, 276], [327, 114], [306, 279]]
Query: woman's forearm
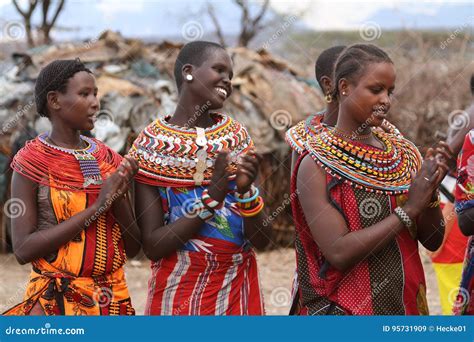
[[162, 241], [130, 233], [430, 226], [40, 243], [258, 230]]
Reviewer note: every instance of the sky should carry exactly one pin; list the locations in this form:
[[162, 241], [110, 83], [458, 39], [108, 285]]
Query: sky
[[341, 15], [159, 18]]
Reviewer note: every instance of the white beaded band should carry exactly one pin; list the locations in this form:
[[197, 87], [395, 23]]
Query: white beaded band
[[403, 216]]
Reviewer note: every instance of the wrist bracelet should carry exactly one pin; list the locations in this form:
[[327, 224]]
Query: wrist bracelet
[[403, 216], [248, 194], [249, 199], [249, 205], [210, 202], [255, 211]]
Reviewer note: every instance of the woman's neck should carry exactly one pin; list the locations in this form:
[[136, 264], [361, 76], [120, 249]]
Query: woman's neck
[[348, 126], [64, 136], [191, 114], [330, 116]]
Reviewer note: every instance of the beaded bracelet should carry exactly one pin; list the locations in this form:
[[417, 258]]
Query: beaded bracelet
[[255, 211], [249, 205], [403, 216], [249, 199], [210, 202], [246, 195]]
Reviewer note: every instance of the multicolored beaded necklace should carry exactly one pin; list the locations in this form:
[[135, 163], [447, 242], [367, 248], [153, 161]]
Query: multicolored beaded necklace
[[367, 167], [63, 168], [174, 156], [297, 136]]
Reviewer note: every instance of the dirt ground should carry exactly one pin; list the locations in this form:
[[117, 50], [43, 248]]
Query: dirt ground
[[276, 270]]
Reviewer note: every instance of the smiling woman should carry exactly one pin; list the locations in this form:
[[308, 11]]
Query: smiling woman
[[196, 204]]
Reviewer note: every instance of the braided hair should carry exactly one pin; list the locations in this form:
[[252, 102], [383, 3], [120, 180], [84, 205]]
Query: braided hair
[[55, 77], [325, 63], [194, 53], [353, 61]]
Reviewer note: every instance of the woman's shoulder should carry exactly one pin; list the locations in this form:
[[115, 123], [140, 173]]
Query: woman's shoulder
[[30, 147], [103, 146], [309, 170]]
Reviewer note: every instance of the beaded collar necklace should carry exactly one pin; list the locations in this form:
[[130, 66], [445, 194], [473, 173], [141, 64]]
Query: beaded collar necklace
[[363, 166], [87, 162], [297, 135], [170, 155], [76, 170]]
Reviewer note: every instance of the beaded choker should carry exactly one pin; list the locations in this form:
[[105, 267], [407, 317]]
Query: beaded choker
[[66, 169], [297, 136], [375, 170], [174, 156]]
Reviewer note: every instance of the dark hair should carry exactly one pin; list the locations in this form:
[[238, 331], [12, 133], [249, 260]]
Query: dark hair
[[54, 77], [194, 53], [352, 62], [325, 63]]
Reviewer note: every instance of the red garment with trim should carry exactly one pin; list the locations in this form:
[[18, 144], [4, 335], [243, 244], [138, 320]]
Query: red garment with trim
[[195, 283], [389, 282]]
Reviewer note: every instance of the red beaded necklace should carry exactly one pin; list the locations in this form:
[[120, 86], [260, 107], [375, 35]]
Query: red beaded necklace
[[66, 169]]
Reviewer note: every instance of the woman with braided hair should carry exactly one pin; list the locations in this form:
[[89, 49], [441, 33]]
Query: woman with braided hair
[[297, 135], [76, 226], [362, 202], [196, 204]]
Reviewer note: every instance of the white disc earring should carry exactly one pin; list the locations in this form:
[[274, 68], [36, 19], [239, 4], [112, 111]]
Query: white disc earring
[[189, 77]]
